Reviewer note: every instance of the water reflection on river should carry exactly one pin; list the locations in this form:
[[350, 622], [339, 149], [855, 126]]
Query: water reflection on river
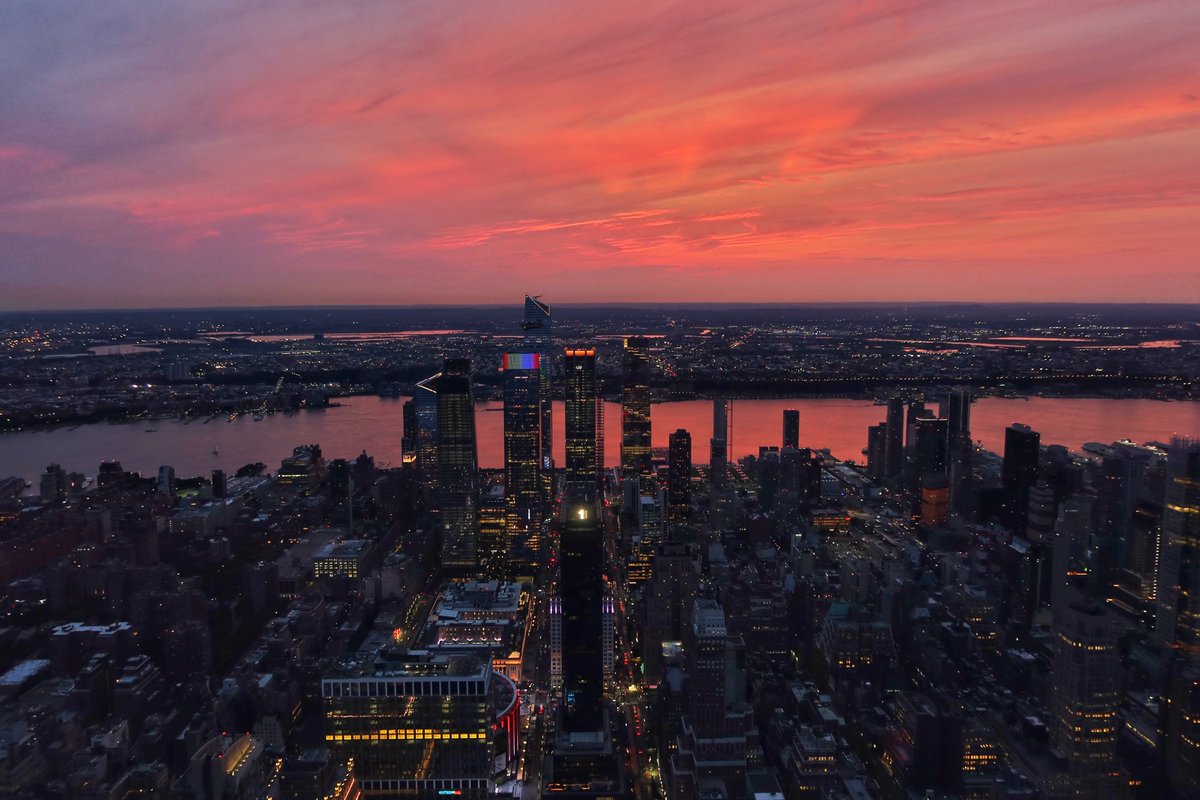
[[374, 424]]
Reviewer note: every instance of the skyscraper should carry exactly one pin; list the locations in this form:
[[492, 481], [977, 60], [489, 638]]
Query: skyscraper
[[581, 410], [1019, 473], [408, 438], [635, 408], [877, 451], [929, 447], [539, 338], [957, 411], [582, 596], [679, 476], [717, 737], [522, 458], [791, 427], [719, 444], [458, 466], [425, 398], [895, 437], [1178, 623], [916, 410], [1084, 697]]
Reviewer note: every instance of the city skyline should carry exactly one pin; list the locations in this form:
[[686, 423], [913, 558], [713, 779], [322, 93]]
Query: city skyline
[[890, 151]]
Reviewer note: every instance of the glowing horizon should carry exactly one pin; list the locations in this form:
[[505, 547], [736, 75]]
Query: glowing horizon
[[383, 154]]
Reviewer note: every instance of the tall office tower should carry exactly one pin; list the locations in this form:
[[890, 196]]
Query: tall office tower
[[956, 409], [581, 594], [539, 338], [1121, 481], [581, 410], [635, 408], [929, 452], [408, 437], [668, 601], [877, 451], [791, 427], [916, 410], [425, 398], [220, 483], [768, 478], [679, 476], [963, 486], [53, 486], [895, 437], [415, 724], [718, 739], [600, 440], [458, 467], [1178, 623], [1140, 574], [719, 444], [926, 457], [1019, 473], [522, 459], [166, 480], [1084, 697]]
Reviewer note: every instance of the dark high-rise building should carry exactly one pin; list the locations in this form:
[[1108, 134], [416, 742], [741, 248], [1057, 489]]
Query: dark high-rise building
[[1019, 473], [791, 427], [1084, 697], [768, 477], [458, 466], [1178, 623], [54, 484], [877, 451], [408, 439], [718, 737], [668, 601], [929, 447], [522, 458], [679, 476], [1122, 477], [635, 408], [220, 484], [957, 412], [582, 594], [895, 437], [916, 410], [719, 444], [425, 400], [581, 415], [539, 338]]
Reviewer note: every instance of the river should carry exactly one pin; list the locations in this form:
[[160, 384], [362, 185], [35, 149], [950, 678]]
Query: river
[[374, 424]]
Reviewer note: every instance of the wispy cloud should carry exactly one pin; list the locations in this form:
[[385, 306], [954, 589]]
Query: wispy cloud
[[833, 150]]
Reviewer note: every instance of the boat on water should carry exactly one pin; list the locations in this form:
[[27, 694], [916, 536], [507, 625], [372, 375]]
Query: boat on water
[[258, 417], [151, 430]]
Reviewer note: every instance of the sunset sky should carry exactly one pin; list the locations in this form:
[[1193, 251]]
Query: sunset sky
[[250, 153]]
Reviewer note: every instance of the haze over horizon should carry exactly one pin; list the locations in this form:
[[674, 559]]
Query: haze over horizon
[[212, 155]]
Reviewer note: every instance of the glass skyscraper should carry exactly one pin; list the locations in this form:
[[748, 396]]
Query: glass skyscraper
[[458, 467], [679, 476], [581, 411], [522, 459], [539, 338], [1178, 623], [582, 593], [425, 399], [635, 408]]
